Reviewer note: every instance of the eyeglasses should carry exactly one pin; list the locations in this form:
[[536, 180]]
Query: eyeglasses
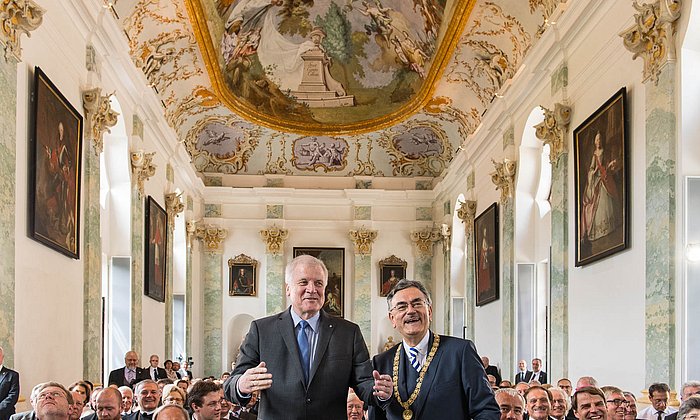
[[54, 395], [618, 402], [402, 307]]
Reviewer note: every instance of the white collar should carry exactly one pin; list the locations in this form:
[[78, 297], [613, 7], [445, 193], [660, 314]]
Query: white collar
[[422, 346], [313, 321]]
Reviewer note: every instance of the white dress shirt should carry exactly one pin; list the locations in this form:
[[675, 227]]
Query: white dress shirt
[[650, 413]]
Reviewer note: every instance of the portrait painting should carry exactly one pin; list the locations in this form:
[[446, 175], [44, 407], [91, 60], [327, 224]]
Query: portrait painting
[[601, 182], [486, 247], [155, 256], [391, 270], [55, 154], [334, 259], [242, 276]]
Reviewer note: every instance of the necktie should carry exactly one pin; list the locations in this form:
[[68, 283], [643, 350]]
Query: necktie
[[154, 374], [304, 352], [413, 355], [130, 375], [659, 415]]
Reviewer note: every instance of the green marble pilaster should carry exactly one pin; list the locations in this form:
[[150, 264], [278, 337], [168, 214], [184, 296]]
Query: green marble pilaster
[[188, 301], [92, 266], [169, 295], [275, 299], [137, 227], [470, 288], [362, 298], [8, 170], [423, 269], [212, 308], [661, 140], [559, 281], [508, 287]]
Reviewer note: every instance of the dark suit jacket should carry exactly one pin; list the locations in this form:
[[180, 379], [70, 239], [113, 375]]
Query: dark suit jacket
[[520, 377], [493, 370], [543, 377], [341, 361], [9, 392], [672, 416], [454, 386], [160, 372], [25, 415], [116, 377]]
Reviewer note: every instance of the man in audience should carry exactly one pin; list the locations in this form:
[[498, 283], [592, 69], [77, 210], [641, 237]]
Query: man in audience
[[537, 373], [589, 404], [688, 389], [631, 407], [355, 406], [184, 371], [155, 372], [171, 412], [560, 403], [204, 400], [31, 414], [302, 352], [523, 374], [521, 388], [615, 402], [76, 409], [130, 374], [490, 369], [510, 403], [147, 396], [9, 389], [127, 399], [565, 384], [53, 402], [492, 381], [108, 404], [539, 402], [505, 384], [432, 361], [659, 409], [586, 381], [225, 407]]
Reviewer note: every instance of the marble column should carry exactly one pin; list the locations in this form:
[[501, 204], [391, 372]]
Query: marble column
[[423, 242], [137, 255], [191, 228], [274, 238], [466, 213], [446, 237], [173, 206], [212, 291], [362, 288]]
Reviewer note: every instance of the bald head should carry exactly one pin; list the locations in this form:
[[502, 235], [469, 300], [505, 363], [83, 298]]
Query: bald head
[[170, 412], [109, 404], [131, 359]]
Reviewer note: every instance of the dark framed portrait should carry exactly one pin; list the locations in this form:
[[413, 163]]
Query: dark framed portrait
[[391, 270], [155, 256], [601, 182], [486, 247], [242, 276], [55, 155], [334, 259]]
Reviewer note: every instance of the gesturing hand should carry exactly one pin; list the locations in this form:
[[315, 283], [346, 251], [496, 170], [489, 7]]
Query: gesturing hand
[[255, 379], [383, 386]]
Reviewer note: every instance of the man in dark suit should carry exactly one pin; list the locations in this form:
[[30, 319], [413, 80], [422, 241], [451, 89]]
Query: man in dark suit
[[147, 394], [130, 374], [303, 360], [434, 376], [523, 374], [537, 373], [9, 389], [491, 370], [155, 372]]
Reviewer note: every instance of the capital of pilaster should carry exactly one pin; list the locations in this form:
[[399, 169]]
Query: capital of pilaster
[[99, 116], [211, 236], [191, 231], [423, 241], [173, 206], [18, 17], [445, 236], [466, 213], [553, 129], [274, 238], [363, 239], [504, 178], [142, 168], [652, 36]]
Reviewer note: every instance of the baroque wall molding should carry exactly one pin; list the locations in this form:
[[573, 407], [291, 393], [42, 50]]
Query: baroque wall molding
[[652, 36], [363, 239], [142, 168], [423, 240], [274, 238], [18, 17], [467, 213], [173, 206], [99, 116], [211, 236], [553, 129], [504, 178]]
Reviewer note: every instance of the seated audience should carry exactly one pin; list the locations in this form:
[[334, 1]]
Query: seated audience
[[82, 388], [108, 404], [127, 399], [589, 404], [631, 407], [183, 384], [355, 406], [204, 400], [615, 402], [585, 381], [53, 402], [688, 389], [171, 412], [560, 403], [539, 402], [690, 409], [173, 394], [505, 384], [510, 403], [147, 397], [76, 409], [659, 394], [521, 387], [170, 372], [31, 414]]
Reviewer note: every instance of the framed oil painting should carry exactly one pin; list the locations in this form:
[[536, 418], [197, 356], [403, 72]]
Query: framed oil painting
[[156, 240], [391, 270], [334, 258], [242, 276], [486, 248], [55, 147], [601, 182]]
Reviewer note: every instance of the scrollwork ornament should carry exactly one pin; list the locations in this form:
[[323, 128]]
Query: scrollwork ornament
[[142, 168], [211, 236], [18, 17], [423, 240], [99, 116], [553, 129], [363, 239], [466, 213], [191, 230], [173, 206], [274, 238], [504, 178]]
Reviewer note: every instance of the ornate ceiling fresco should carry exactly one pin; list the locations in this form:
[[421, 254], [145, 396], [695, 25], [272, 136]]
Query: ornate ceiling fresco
[[332, 87]]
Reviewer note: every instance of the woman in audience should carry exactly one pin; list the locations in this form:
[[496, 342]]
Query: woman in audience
[[183, 384], [173, 395], [82, 388], [690, 409], [172, 375]]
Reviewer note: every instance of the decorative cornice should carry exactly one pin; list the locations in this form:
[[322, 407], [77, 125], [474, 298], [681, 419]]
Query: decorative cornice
[[504, 178], [423, 241], [18, 17], [173, 206], [191, 230], [211, 236], [552, 130], [363, 239], [652, 36], [142, 168], [466, 213], [274, 238], [99, 116]]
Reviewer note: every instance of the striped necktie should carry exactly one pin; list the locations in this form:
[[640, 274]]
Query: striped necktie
[[413, 355]]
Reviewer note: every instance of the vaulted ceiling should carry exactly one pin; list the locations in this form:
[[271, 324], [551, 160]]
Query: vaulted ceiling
[[344, 88]]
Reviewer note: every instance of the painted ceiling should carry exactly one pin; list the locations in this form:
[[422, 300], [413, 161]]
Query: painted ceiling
[[382, 88]]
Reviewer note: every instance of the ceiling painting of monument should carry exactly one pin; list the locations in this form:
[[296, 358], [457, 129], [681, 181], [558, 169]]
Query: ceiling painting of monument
[[339, 88]]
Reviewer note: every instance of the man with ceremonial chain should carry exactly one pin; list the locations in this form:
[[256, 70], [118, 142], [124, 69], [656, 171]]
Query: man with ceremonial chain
[[433, 376]]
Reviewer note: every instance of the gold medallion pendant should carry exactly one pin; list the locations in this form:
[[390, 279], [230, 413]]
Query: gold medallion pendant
[[407, 414]]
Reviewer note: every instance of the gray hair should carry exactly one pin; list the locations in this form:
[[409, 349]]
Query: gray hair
[[45, 385], [405, 284], [513, 393], [567, 401], [139, 386], [304, 260], [692, 403], [689, 384], [590, 381], [608, 390]]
